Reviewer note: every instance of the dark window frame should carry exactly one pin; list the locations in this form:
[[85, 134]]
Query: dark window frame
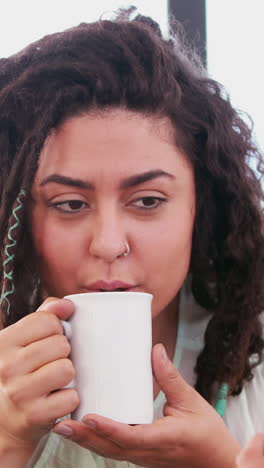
[[192, 15]]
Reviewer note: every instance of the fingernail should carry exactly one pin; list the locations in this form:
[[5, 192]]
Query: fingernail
[[89, 422], [66, 303], [47, 305], [163, 354], [63, 430]]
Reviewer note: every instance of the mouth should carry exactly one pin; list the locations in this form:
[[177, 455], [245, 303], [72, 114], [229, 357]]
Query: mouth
[[110, 286], [110, 290]]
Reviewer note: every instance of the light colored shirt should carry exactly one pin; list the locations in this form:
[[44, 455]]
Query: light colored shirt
[[244, 413]]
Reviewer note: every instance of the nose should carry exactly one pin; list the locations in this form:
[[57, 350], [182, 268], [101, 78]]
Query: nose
[[109, 237]]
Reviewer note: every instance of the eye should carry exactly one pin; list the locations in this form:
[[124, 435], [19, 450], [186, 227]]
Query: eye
[[148, 203], [69, 206]]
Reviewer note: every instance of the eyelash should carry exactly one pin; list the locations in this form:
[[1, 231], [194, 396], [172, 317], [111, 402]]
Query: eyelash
[[58, 205], [159, 201]]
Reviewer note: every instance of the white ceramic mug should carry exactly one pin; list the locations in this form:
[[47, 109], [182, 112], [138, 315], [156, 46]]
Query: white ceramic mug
[[111, 341]]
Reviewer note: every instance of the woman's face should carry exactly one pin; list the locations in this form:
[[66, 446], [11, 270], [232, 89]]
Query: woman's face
[[104, 180]]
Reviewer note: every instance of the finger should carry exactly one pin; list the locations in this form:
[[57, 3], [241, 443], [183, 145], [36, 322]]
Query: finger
[[87, 438], [27, 359], [48, 378], [252, 456], [140, 437], [62, 308], [40, 324], [177, 391], [37, 354], [48, 409]]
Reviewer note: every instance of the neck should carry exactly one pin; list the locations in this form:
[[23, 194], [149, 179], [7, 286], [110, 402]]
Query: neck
[[164, 330]]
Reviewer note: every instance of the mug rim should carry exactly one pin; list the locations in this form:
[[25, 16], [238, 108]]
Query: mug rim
[[108, 293]]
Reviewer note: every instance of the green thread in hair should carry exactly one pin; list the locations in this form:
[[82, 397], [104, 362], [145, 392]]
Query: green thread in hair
[[10, 257], [221, 397]]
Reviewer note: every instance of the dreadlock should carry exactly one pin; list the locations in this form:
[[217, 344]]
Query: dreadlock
[[126, 63]]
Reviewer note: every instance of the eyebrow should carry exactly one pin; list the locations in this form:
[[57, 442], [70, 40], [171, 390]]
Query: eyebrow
[[138, 179], [128, 182], [64, 180]]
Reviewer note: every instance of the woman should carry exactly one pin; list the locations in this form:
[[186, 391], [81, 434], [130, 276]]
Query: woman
[[122, 161]]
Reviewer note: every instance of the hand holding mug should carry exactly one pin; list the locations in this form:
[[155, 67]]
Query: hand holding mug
[[190, 435], [33, 364]]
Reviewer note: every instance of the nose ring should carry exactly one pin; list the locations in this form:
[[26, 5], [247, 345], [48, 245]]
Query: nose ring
[[127, 251]]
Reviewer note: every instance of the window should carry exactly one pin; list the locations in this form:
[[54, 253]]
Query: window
[[235, 37], [24, 22]]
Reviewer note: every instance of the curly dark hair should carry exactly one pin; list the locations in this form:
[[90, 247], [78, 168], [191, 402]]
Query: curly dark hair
[[126, 63]]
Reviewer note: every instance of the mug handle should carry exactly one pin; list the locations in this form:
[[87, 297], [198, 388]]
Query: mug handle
[[67, 331]]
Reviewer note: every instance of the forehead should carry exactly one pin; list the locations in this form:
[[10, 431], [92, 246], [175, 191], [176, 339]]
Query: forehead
[[108, 142]]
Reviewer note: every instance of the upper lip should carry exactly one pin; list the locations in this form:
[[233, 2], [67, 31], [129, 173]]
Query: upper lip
[[109, 285]]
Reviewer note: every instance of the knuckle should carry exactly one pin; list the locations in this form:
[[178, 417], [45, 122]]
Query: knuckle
[[63, 344], [14, 395], [66, 367], [6, 370], [51, 323], [34, 417], [74, 399]]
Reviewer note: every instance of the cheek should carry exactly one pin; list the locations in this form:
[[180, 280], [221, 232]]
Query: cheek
[[168, 254], [57, 256], [171, 245]]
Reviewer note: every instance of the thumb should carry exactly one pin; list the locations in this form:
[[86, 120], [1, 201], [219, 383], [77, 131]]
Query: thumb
[[177, 391], [62, 308]]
